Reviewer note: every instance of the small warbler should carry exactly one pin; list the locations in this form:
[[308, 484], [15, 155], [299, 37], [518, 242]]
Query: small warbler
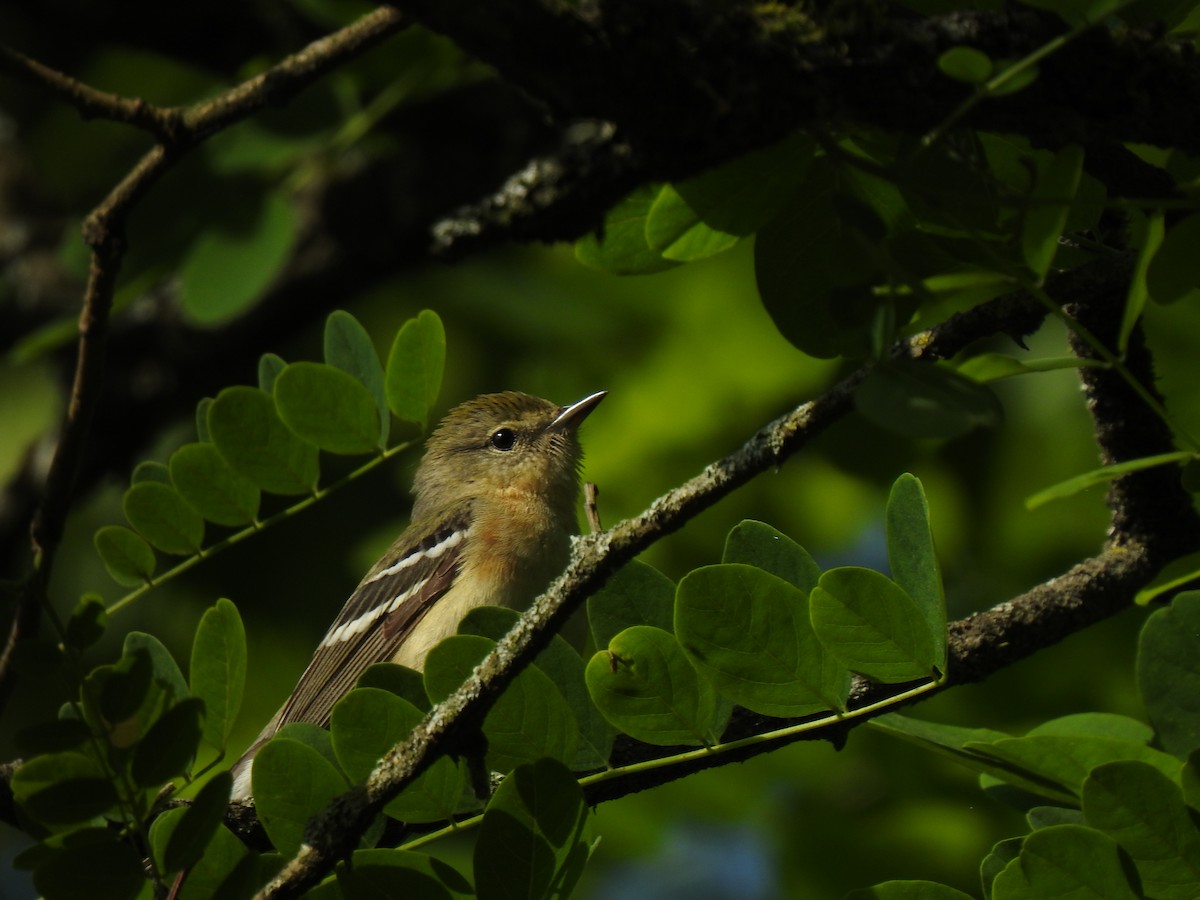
[[491, 525]]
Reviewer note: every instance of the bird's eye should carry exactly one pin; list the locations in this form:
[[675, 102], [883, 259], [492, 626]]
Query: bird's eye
[[504, 439]]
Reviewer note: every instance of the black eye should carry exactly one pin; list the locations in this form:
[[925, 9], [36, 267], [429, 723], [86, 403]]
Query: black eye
[[503, 439]]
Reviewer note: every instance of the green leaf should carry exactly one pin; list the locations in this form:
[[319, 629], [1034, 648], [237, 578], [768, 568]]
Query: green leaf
[[414, 368], [59, 789], [1049, 204], [102, 868], [913, 558], [985, 367], [163, 518], [220, 871], [218, 670], [674, 229], [908, 890], [1073, 861], [923, 401], [191, 835], [965, 64], [758, 544], [1170, 578], [868, 622], [228, 268], [270, 365], [166, 671], [150, 471], [87, 622], [328, 407], [742, 195], [1143, 811], [247, 430], [748, 632], [1151, 238], [620, 247], [380, 874], [123, 693], [129, 559], [55, 736], [1171, 275], [533, 829], [565, 669], [530, 720], [211, 486], [1073, 486], [202, 419], [1078, 14], [645, 686], [349, 348], [169, 746], [291, 783], [1168, 673], [365, 725], [997, 861], [399, 680], [637, 594]]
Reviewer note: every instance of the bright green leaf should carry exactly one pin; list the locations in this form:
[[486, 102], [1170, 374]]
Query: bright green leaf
[[211, 486], [328, 407], [645, 686], [758, 544], [748, 631], [1073, 486], [247, 430], [985, 367], [163, 518], [349, 348], [674, 229], [868, 622], [218, 669], [129, 559], [414, 368], [913, 558], [270, 365], [621, 247]]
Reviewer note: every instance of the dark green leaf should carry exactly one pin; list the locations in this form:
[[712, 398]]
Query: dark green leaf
[[59, 789], [748, 631], [349, 348], [923, 401], [202, 419], [269, 367], [250, 435], [366, 724], [637, 594], [529, 721], [1168, 673], [129, 560], [996, 861], [1049, 204], [868, 622], [381, 874], [1172, 274], [51, 737], [913, 558], [218, 669], [226, 270], [758, 544], [534, 822], [674, 229], [1143, 811], [101, 869], [327, 407], [645, 686], [211, 486], [125, 689], [150, 471], [1078, 13], [965, 64], [166, 671], [169, 746], [1148, 238], [215, 873], [742, 195], [87, 622], [399, 680], [163, 518], [1103, 475], [291, 783], [1174, 575], [198, 825], [908, 890], [620, 247], [565, 669], [414, 368], [1073, 861]]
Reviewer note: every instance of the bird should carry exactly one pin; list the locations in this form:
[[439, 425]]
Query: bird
[[494, 512]]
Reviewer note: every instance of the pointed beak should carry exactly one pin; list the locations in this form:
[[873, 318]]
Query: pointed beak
[[569, 417]]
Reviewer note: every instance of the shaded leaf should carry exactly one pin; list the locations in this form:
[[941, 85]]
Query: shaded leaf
[[327, 407], [189, 838], [87, 622], [59, 789], [350, 348], [922, 401], [103, 868], [1073, 861], [291, 783], [247, 430], [380, 874], [220, 870], [129, 559], [218, 669], [758, 544], [1073, 486], [1172, 275], [414, 368], [913, 558], [1168, 673], [637, 594], [620, 247], [1049, 204], [965, 64], [169, 746], [163, 518], [908, 890], [270, 365], [212, 487]]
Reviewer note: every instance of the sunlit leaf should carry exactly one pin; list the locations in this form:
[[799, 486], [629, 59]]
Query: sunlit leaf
[[291, 783], [637, 594], [913, 558], [620, 246], [758, 544]]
